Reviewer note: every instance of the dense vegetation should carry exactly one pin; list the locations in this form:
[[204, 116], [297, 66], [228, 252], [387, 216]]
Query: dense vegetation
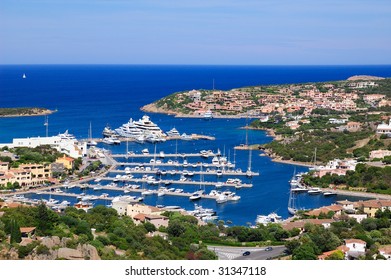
[[373, 179], [186, 239], [329, 145], [112, 231], [317, 239], [21, 111], [40, 154]]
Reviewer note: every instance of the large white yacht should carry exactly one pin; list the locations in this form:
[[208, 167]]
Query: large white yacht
[[143, 128], [129, 130], [67, 136], [148, 127]]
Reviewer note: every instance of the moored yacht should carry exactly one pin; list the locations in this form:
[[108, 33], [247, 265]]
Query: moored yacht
[[173, 132], [266, 219], [208, 115], [147, 126], [314, 191], [108, 132], [67, 136]]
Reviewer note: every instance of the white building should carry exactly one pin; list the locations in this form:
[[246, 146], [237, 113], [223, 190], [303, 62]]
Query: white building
[[337, 166], [337, 121], [385, 251], [71, 147], [356, 247], [358, 217], [121, 203], [384, 128]]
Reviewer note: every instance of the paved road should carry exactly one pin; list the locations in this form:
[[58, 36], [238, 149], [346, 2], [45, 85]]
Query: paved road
[[236, 253]]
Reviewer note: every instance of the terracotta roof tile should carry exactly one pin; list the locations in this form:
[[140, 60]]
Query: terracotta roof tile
[[27, 229], [355, 241]]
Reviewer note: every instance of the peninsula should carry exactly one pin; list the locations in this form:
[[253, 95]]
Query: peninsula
[[335, 126], [24, 112]]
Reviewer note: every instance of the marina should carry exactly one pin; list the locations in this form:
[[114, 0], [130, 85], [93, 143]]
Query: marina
[[270, 190]]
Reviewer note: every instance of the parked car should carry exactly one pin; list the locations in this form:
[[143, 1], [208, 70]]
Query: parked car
[[246, 253]]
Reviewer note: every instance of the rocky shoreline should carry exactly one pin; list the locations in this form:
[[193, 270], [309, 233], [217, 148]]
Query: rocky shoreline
[[152, 108], [36, 112]]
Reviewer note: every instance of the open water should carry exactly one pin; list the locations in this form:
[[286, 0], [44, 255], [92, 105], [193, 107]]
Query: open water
[[103, 94]]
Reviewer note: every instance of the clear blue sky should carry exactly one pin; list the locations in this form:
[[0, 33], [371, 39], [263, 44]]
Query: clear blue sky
[[261, 32]]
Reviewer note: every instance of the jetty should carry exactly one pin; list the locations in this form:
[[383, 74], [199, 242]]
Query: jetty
[[181, 172]]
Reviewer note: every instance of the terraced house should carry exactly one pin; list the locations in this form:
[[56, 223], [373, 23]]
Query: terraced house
[[26, 175]]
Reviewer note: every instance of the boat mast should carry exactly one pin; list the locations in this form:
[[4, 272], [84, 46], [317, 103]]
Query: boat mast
[[249, 160], [90, 132], [46, 123], [154, 157]]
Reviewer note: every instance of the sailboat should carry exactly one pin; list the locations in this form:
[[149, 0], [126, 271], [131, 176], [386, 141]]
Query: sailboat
[[249, 173], [24, 76], [291, 203], [197, 194], [46, 123], [90, 141]]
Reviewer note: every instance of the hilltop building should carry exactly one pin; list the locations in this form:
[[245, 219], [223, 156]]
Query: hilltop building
[[384, 128]]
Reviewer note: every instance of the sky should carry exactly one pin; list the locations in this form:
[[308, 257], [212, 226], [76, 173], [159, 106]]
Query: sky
[[217, 32]]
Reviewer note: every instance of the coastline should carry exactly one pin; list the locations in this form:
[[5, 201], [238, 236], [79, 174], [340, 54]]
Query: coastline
[[151, 108], [40, 113], [358, 194]]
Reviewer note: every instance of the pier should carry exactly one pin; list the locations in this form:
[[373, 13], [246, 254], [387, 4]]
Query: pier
[[187, 182], [180, 172], [167, 138], [122, 189], [149, 155]]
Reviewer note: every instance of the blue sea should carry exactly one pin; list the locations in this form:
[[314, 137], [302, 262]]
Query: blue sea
[[111, 94]]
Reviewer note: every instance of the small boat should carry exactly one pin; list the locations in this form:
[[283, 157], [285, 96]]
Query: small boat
[[186, 137], [328, 193], [145, 151], [208, 115], [97, 188], [298, 189], [195, 196], [271, 218], [24, 76], [108, 141], [147, 192], [314, 191], [173, 132], [221, 199]]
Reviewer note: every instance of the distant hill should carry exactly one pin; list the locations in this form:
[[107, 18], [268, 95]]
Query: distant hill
[[364, 77]]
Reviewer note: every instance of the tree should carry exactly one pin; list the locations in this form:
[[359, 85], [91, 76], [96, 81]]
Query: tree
[[149, 227], [175, 228], [45, 218], [306, 251], [3, 236], [16, 235], [337, 255]]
